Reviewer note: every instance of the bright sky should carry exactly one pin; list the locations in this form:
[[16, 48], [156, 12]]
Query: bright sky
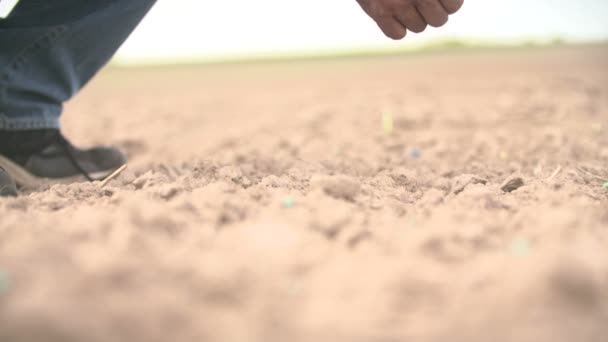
[[191, 29]]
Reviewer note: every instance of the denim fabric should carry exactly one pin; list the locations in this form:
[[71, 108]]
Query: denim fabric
[[49, 50]]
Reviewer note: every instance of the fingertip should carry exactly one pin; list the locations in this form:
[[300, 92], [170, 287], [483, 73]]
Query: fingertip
[[399, 35], [392, 28], [433, 12], [411, 19], [452, 6], [418, 29], [438, 22]]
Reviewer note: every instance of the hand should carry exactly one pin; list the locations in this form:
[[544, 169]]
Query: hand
[[396, 17]]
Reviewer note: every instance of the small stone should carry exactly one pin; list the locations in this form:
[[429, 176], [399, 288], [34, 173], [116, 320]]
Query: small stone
[[605, 186], [512, 183], [167, 192], [462, 181], [246, 182]]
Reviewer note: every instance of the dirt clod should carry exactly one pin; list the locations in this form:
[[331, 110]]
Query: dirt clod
[[512, 183], [461, 182], [339, 187]]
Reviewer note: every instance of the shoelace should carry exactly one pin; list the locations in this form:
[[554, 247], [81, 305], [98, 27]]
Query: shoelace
[[68, 148]]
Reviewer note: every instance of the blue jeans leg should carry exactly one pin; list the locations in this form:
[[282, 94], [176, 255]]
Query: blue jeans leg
[[50, 49]]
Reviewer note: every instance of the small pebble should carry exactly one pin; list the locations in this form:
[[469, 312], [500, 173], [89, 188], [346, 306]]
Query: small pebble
[[461, 182], [605, 186], [289, 203], [511, 184]]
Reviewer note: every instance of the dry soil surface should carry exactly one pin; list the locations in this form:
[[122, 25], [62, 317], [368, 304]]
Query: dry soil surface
[[338, 200]]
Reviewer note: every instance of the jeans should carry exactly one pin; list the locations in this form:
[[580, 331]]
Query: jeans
[[50, 49]]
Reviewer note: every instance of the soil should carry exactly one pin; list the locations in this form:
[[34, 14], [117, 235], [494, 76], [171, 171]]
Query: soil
[[434, 197]]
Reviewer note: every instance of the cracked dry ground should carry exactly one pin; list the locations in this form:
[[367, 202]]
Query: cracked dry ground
[[265, 202]]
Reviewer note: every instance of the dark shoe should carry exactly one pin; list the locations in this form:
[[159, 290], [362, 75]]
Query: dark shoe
[[7, 185], [35, 158]]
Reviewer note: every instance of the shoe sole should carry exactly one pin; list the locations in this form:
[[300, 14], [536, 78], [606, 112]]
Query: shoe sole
[[28, 181]]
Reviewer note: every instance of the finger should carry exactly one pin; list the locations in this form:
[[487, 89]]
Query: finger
[[433, 12], [391, 27], [411, 19], [452, 6], [373, 8]]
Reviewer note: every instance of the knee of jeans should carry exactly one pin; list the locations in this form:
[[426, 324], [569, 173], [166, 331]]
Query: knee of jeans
[[146, 2], [138, 3], [59, 12]]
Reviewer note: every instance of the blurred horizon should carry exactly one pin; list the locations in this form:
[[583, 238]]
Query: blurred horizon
[[190, 30]]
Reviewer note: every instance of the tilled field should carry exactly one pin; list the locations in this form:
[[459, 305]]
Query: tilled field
[[436, 197]]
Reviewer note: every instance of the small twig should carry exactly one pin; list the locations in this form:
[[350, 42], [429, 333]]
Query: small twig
[[555, 173], [112, 176], [591, 174]]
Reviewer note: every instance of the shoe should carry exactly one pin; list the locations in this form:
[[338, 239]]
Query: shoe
[[7, 185], [40, 157]]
